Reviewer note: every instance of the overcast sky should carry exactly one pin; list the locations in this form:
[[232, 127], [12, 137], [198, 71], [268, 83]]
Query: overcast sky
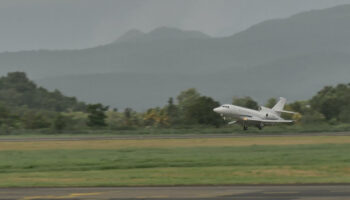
[[62, 24]]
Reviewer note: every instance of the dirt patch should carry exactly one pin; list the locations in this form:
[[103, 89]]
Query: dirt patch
[[286, 172]]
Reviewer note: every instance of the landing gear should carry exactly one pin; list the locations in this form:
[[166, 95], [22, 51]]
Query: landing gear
[[245, 127], [260, 126]]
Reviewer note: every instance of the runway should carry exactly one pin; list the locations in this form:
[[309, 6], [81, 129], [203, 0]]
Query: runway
[[276, 192], [164, 136]]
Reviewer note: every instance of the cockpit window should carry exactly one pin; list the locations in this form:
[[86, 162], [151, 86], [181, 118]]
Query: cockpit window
[[226, 106]]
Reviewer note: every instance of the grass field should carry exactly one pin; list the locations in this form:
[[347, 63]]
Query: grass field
[[253, 160], [227, 129]]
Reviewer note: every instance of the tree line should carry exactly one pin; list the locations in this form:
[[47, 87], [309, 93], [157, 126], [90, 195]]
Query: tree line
[[24, 105]]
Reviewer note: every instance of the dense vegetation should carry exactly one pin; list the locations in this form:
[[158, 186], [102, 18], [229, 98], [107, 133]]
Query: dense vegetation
[[16, 90], [24, 105]]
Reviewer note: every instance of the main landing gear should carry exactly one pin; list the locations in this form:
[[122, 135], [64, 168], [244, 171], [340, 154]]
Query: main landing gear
[[245, 127], [260, 126]]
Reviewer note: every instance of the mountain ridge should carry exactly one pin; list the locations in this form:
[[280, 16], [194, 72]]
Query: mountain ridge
[[262, 61], [160, 33]]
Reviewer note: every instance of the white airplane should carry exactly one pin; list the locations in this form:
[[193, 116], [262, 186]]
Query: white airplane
[[259, 118]]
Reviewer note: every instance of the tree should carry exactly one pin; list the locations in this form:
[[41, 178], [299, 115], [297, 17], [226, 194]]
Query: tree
[[156, 117], [35, 120], [312, 117], [171, 108], [246, 102], [344, 115], [18, 81], [332, 101], [97, 116], [114, 119], [185, 100], [271, 102], [172, 112], [75, 120], [60, 122], [131, 118], [201, 112], [7, 119], [127, 117], [17, 90], [187, 97]]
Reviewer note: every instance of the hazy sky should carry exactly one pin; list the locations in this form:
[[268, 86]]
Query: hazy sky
[[61, 24]]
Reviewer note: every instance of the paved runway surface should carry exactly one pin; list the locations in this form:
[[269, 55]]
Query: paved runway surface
[[301, 192], [165, 136]]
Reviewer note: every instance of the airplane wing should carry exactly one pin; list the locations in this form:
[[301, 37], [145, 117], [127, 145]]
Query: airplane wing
[[278, 121], [266, 121]]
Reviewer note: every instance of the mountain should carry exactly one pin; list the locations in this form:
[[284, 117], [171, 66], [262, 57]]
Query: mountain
[[16, 90], [163, 49], [292, 57], [161, 33], [130, 36]]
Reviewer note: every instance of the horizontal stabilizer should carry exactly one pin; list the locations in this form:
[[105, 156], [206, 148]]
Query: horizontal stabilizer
[[285, 111]]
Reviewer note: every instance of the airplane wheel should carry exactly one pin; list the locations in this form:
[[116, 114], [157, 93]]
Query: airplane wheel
[[245, 128]]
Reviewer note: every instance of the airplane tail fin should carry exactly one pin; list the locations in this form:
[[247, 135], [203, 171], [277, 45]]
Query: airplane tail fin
[[280, 105]]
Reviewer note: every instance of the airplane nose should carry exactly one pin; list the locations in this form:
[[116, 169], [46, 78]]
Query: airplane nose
[[216, 110]]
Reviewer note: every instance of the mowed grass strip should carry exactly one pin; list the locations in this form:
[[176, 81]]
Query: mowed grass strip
[[311, 163], [172, 143], [179, 176]]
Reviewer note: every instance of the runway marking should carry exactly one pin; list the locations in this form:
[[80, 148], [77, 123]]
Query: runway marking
[[85, 194], [62, 197], [224, 193], [154, 196], [280, 192]]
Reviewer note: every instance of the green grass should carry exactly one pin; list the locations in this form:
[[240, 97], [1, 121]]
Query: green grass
[[177, 166]]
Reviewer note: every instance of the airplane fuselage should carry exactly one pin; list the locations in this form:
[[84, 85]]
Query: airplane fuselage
[[240, 113], [259, 118]]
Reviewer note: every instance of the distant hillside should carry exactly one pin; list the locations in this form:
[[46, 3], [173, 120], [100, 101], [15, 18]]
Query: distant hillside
[[161, 33], [292, 57], [163, 49], [16, 90]]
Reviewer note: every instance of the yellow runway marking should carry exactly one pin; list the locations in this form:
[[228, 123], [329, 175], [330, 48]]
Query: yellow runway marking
[[84, 194], [154, 196], [160, 196], [280, 192], [61, 197]]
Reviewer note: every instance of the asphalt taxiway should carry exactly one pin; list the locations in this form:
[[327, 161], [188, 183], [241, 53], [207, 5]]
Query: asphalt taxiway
[[162, 136], [274, 192]]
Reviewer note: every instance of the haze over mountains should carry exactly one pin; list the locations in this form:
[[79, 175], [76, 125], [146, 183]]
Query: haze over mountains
[[293, 57]]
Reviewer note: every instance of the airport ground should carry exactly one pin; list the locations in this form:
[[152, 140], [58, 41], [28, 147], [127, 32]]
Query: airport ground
[[276, 192], [211, 166], [190, 160]]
